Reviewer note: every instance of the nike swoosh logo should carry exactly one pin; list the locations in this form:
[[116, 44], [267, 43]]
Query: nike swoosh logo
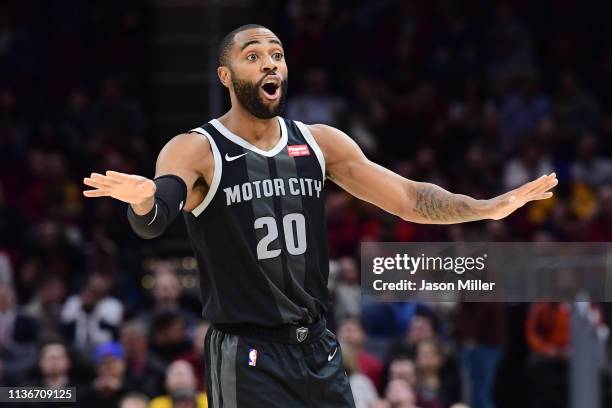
[[232, 158], [329, 358]]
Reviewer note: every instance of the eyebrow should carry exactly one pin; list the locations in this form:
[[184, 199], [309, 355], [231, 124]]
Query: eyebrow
[[251, 42]]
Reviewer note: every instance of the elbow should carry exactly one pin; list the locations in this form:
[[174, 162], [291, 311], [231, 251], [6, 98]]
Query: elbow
[[145, 226]]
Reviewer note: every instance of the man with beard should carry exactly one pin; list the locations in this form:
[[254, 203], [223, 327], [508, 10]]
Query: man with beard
[[249, 187]]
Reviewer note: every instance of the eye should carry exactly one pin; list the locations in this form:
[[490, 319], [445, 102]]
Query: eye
[[277, 56], [252, 57]]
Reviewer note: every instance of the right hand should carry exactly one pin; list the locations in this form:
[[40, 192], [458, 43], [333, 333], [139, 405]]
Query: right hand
[[130, 188]]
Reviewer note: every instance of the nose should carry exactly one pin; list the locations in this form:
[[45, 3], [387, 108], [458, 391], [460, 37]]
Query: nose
[[269, 65]]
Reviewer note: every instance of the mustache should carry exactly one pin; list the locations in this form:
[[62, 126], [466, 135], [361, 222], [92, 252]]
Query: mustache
[[260, 82]]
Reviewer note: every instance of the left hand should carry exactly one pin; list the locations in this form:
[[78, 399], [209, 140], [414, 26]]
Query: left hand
[[507, 203]]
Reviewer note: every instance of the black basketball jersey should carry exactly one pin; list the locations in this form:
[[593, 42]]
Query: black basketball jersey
[[259, 235]]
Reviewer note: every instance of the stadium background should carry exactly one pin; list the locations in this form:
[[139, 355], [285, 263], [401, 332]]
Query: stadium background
[[475, 96]]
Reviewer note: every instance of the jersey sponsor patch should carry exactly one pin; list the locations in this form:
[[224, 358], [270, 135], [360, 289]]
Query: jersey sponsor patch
[[298, 150], [252, 357]]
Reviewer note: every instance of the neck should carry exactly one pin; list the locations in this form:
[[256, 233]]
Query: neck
[[260, 132]]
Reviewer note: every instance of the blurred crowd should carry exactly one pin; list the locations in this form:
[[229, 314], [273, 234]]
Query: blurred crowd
[[477, 97]]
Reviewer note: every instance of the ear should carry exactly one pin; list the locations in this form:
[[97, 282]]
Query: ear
[[225, 76]]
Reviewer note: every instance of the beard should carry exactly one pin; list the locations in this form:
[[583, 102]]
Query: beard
[[249, 97]]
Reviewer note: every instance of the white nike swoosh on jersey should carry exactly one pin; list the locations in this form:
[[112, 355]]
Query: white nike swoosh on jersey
[[232, 158], [329, 358]]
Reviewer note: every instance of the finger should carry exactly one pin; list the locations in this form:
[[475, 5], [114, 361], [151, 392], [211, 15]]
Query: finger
[[96, 193], [101, 178], [543, 183], [116, 176], [543, 196], [543, 179], [94, 183], [530, 186], [552, 182]]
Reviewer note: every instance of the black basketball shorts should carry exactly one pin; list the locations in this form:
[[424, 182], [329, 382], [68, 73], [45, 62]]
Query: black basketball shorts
[[289, 368]]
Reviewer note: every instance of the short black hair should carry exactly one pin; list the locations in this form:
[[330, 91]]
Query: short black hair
[[228, 41]]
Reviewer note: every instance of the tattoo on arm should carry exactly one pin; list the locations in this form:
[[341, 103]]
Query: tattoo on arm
[[436, 204]]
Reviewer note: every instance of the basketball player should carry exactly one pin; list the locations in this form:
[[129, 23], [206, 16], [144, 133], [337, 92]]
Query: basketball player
[[249, 185]]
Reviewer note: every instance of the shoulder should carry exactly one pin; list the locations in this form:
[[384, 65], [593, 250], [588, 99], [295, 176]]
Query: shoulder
[[321, 131], [334, 143], [325, 136], [186, 150], [188, 143]]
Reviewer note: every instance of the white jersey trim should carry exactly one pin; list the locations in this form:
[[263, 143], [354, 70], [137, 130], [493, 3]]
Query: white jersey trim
[[214, 185], [313, 144], [240, 141]]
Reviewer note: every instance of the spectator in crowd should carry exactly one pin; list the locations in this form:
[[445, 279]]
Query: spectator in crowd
[[381, 403], [423, 325], [167, 292], [11, 224], [143, 370], [52, 248], [18, 334], [6, 269], [435, 383], [368, 113], [547, 330], [181, 388], [399, 394], [388, 319], [347, 291], [169, 337], [364, 392], [316, 104], [531, 162], [590, 166], [576, 109], [351, 334], [109, 385], [510, 46], [134, 400], [116, 111], [15, 327], [600, 226], [522, 110], [481, 331], [46, 305], [54, 364], [402, 366], [195, 356], [92, 317]]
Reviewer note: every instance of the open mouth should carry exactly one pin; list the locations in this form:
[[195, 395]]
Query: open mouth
[[271, 88]]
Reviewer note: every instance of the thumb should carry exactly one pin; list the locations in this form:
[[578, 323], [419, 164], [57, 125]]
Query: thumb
[[147, 186], [150, 185]]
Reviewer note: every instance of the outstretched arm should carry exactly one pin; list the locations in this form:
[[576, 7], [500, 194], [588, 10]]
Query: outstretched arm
[[183, 169], [419, 202]]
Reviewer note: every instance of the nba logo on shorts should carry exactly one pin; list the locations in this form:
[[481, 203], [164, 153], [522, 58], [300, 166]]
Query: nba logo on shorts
[[252, 357]]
